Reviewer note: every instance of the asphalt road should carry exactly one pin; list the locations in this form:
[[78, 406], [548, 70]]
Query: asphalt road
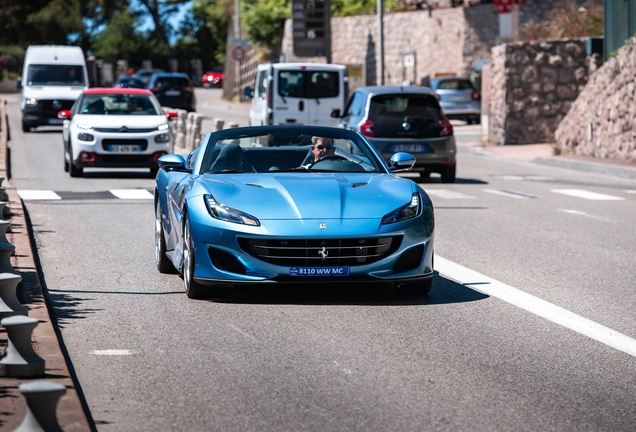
[[530, 324]]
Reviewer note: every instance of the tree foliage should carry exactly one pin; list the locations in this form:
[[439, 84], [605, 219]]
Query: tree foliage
[[263, 21]]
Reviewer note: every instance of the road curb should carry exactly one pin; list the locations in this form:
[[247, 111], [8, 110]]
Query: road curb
[[71, 412]]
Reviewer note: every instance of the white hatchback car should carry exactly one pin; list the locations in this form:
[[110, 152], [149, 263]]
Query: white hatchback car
[[113, 128]]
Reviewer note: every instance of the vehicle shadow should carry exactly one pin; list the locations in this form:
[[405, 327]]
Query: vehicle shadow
[[438, 180], [444, 291]]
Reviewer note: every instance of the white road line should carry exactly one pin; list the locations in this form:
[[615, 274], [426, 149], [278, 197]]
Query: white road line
[[535, 305], [38, 195], [447, 194], [580, 213], [132, 193], [114, 352], [529, 177], [580, 193], [631, 191], [511, 194]]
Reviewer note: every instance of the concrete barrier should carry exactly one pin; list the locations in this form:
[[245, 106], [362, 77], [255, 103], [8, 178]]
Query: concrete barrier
[[19, 359], [42, 397]]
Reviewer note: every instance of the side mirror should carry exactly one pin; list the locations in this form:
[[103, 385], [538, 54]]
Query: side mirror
[[64, 114], [18, 83], [248, 93], [335, 113], [171, 115], [172, 162], [402, 162]]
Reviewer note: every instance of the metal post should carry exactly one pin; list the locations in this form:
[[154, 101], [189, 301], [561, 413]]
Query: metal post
[[381, 39]]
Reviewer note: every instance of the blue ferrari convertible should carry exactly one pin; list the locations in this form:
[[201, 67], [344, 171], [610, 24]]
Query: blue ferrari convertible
[[291, 204]]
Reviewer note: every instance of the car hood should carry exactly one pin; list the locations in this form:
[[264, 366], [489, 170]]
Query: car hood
[[311, 195], [130, 121], [53, 92]]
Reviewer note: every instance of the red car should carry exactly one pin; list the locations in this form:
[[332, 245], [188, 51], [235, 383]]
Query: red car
[[213, 78]]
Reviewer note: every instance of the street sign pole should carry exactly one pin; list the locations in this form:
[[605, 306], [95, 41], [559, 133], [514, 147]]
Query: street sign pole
[[381, 39]]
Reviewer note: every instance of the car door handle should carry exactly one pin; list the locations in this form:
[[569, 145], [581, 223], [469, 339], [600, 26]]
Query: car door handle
[[301, 105]]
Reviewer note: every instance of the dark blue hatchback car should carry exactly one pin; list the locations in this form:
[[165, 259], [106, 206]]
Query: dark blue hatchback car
[[173, 90]]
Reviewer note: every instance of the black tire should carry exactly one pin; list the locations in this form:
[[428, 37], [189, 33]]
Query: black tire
[[72, 169], [153, 172], [164, 265], [425, 174], [415, 288], [448, 174], [193, 289], [25, 127], [66, 155]]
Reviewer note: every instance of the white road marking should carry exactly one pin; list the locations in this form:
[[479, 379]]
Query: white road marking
[[243, 333], [511, 194], [535, 305], [580, 193], [580, 213], [132, 193], [38, 195], [529, 177], [631, 191], [114, 352], [447, 194]]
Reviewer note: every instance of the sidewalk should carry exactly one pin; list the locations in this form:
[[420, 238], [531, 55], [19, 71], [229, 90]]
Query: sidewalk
[[542, 154]]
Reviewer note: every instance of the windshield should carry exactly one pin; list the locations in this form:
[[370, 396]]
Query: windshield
[[119, 104], [308, 84], [55, 75], [290, 152]]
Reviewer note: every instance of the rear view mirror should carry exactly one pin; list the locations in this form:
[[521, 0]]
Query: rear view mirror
[[248, 93], [402, 162], [335, 113], [18, 83]]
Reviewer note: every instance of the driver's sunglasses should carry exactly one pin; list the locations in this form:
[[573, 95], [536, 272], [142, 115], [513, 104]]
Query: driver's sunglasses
[[327, 147]]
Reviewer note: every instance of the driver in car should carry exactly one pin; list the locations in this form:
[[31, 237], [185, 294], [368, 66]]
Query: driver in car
[[322, 147]]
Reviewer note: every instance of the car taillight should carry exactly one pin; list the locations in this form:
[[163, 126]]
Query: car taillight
[[366, 128], [447, 128], [188, 89], [475, 95], [157, 155], [438, 96]]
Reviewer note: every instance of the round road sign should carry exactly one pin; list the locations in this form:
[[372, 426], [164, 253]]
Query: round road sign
[[238, 53]]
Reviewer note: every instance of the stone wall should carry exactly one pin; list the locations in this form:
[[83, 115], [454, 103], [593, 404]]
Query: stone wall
[[602, 121], [532, 88]]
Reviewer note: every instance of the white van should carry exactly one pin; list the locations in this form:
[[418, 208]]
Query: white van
[[53, 77], [298, 93]]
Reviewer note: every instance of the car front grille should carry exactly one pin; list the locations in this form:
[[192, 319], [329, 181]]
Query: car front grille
[[123, 129], [320, 253]]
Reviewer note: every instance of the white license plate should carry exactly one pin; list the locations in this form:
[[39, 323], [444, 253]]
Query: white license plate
[[319, 271], [173, 93], [124, 148], [414, 148]]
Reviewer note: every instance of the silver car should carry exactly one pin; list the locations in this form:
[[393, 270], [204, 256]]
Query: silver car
[[458, 98], [403, 119]]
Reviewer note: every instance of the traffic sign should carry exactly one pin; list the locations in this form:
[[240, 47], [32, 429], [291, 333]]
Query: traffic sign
[[311, 28], [238, 53]]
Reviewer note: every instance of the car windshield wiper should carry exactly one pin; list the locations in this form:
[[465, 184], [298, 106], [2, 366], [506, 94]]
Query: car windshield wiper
[[226, 171]]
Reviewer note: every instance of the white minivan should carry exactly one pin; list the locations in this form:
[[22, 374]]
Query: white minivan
[[53, 76], [298, 93]]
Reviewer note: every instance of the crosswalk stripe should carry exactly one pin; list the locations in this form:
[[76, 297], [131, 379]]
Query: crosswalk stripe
[[38, 195], [511, 194], [132, 193], [580, 193]]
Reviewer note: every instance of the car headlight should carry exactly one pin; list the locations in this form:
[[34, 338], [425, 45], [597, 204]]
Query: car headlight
[[229, 214], [163, 127], [85, 137], [408, 211], [162, 138], [31, 101]]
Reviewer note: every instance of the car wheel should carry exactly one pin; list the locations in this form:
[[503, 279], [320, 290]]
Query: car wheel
[[415, 288], [66, 158], [153, 172], [25, 128], [448, 174], [164, 265], [193, 289], [425, 174]]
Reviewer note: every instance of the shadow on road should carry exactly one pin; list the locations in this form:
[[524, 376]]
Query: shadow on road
[[444, 291]]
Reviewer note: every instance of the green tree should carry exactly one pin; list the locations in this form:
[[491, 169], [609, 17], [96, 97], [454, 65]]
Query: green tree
[[263, 21]]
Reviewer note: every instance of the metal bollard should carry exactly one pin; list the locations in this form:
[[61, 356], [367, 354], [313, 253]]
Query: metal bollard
[[41, 397], [9, 304], [218, 124], [19, 359]]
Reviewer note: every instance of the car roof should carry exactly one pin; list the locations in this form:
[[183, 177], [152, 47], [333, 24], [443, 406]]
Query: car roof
[[116, 90], [382, 90]]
